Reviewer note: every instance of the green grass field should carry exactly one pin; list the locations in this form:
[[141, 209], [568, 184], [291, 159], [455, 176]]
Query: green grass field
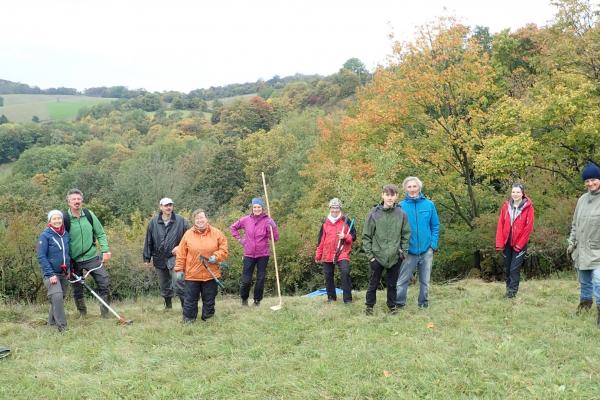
[[471, 343], [22, 107]]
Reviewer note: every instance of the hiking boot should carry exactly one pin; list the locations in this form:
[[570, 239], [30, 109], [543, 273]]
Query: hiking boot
[[393, 310], [245, 302], [369, 310], [256, 303], [584, 305], [168, 303]]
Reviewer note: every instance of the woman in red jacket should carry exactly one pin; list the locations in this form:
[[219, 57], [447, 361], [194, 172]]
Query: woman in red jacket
[[515, 224], [335, 242]]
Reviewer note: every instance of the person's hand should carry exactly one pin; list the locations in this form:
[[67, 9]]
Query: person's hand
[[341, 235], [106, 256], [212, 259], [317, 260], [146, 263], [242, 242], [179, 275], [174, 251], [53, 280], [570, 250], [401, 254]]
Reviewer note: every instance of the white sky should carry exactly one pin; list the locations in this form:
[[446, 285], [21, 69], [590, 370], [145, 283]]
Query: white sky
[[188, 44]]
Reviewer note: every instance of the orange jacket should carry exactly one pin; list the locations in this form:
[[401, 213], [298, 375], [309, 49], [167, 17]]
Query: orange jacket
[[194, 244]]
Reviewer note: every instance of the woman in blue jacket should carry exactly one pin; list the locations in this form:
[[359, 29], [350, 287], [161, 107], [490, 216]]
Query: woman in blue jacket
[[53, 256]]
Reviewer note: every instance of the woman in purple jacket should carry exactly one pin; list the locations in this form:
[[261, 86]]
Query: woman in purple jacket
[[256, 248]]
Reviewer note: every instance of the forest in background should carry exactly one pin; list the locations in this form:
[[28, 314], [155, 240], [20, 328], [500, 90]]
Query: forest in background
[[467, 111]]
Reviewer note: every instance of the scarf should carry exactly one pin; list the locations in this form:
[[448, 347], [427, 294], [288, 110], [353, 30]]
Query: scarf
[[334, 219], [60, 231]]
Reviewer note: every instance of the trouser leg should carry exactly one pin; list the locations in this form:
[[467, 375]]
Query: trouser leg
[[508, 255], [371, 295], [261, 273], [346, 280], [391, 280], [515, 270], [329, 284], [424, 270], [209, 290], [56, 295], [102, 282], [165, 281], [247, 270], [407, 268], [192, 294]]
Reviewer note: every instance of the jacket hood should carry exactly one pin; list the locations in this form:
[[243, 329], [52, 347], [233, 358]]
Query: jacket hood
[[419, 197]]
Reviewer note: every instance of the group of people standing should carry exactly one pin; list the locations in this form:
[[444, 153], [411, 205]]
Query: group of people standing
[[398, 239]]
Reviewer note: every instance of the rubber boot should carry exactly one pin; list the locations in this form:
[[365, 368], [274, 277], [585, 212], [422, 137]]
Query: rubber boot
[[168, 303], [256, 303], [80, 304], [584, 305]]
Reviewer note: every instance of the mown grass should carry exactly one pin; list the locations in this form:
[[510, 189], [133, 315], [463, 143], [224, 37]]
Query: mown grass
[[22, 107], [471, 343]]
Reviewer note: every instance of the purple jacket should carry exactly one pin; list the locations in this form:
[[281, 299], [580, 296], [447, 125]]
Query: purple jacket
[[256, 234]]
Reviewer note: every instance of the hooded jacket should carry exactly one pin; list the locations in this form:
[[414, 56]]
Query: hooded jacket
[[160, 239], [585, 232], [385, 235], [52, 252], [196, 243], [516, 224], [256, 234], [329, 240], [81, 245], [424, 223]]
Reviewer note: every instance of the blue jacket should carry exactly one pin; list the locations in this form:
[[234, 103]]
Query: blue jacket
[[424, 223], [52, 251]]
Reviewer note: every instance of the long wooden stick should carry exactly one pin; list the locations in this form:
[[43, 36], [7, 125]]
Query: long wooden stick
[[277, 307]]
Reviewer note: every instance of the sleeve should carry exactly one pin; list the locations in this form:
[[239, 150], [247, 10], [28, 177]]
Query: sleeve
[[405, 233], [222, 251], [273, 225], [99, 233], [148, 243], [319, 251], [434, 224], [573, 235], [527, 229], [367, 237], [181, 254], [42, 256], [500, 230], [235, 229]]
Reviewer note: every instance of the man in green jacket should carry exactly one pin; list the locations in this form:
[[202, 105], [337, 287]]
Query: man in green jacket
[[84, 229], [385, 237]]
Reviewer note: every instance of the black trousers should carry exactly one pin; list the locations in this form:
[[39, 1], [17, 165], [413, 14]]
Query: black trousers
[[193, 290], [329, 270], [102, 282], [513, 260], [391, 279], [248, 270]]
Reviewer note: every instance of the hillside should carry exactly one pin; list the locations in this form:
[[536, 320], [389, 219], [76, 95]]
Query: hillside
[[23, 107], [471, 343]]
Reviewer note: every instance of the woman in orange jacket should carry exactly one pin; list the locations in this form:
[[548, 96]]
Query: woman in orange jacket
[[201, 240]]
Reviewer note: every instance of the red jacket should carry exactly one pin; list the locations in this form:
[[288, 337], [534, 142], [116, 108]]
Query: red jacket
[[521, 226], [329, 241]]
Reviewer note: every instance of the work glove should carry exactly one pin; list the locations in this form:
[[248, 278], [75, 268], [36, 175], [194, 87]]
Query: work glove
[[570, 250], [179, 275], [212, 259]]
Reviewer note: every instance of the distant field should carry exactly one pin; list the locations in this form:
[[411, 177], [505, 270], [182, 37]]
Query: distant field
[[22, 107], [227, 100]]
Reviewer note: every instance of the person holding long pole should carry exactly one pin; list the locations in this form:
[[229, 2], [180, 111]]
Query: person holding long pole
[[278, 306]]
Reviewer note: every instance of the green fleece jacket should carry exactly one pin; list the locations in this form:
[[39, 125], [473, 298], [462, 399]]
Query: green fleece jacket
[[81, 244], [585, 232], [385, 235]]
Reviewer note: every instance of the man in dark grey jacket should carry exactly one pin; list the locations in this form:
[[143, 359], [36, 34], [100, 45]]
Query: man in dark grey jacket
[[162, 240]]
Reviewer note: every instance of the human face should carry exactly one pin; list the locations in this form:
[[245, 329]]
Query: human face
[[593, 184], [335, 211], [413, 189], [516, 194], [167, 209], [389, 199], [257, 209], [75, 202], [200, 221], [56, 221]]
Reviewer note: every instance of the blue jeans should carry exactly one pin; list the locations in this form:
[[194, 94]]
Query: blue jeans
[[589, 283], [423, 264]]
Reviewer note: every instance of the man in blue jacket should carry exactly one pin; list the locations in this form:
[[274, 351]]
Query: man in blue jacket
[[424, 234]]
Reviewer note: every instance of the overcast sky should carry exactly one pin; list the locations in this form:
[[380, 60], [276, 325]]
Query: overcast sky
[[187, 44]]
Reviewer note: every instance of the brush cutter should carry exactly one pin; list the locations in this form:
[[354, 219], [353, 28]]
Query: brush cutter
[[204, 262], [81, 279], [4, 352], [278, 306], [340, 244]]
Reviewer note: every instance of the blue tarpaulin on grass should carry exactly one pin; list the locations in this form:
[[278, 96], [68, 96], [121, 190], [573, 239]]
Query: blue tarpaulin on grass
[[322, 292]]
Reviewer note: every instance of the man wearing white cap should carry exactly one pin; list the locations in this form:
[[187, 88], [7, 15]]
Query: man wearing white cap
[[164, 232]]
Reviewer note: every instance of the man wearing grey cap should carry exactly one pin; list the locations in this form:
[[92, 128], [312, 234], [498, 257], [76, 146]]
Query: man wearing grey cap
[[164, 232]]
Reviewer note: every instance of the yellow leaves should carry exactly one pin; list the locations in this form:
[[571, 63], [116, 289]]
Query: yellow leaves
[[504, 156]]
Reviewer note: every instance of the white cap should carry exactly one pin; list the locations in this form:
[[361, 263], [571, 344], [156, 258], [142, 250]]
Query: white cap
[[165, 200]]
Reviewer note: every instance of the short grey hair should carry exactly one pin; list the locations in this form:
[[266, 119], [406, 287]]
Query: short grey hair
[[74, 191], [199, 211], [410, 179]]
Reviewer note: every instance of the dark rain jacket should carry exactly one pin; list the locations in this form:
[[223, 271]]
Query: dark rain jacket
[[385, 235], [160, 239]]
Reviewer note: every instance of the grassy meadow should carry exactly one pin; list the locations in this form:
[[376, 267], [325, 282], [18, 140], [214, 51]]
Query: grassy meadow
[[22, 107], [470, 343]]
